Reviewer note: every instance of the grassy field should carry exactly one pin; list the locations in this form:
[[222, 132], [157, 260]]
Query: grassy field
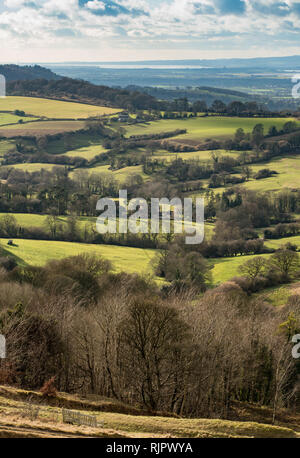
[[226, 268], [30, 219], [9, 118], [204, 127], [6, 146], [40, 128], [120, 175], [34, 167], [53, 108], [127, 259], [288, 169], [116, 419], [38, 252], [88, 152], [204, 156], [279, 242]]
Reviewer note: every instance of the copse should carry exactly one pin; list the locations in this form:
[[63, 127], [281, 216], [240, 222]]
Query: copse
[[281, 267]]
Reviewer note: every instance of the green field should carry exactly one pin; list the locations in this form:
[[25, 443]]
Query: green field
[[127, 259], [6, 146], [38, 252], [226, 268], [204, 156], [53, 108], [40, 128], [288, 169], [88, 152], [120, 175], [36, 220], [9, 118], [34, 167], [27, 220], [275, 244], [205, 127]]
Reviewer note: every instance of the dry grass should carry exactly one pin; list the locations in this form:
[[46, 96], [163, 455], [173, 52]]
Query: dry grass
[[128, 422]]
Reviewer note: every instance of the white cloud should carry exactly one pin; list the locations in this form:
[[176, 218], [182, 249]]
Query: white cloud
[[96, 5], [148, 24]]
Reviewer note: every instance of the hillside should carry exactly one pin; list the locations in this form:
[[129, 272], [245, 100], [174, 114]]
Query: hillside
[[83, 91], [118, 420], [205, 93], [26, 72]]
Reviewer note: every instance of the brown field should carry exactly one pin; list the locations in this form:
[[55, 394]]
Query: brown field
[[41, 128]]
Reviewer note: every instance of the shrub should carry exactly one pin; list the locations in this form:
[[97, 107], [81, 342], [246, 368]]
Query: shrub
[[49, 390]]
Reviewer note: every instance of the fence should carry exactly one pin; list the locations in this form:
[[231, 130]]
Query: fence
[[78, 418]]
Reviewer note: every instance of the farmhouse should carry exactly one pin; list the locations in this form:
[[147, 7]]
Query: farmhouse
[[124, 117]]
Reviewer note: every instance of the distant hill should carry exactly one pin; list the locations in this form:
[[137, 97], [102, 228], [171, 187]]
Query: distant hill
[[75, 90], [254, 62], [28, 72], [208, 94]]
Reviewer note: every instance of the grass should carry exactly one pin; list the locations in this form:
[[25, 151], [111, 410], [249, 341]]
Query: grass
[[204, 127], [36, 220], [126, 259], [88, 152], [38, 252], [120, 175], [6, 146], [226, 268], [277, 296], [288, 169], [9, 118], [275, 244], [33, 167], [41, 128], [204, 156], [54, 109], [118, 423]]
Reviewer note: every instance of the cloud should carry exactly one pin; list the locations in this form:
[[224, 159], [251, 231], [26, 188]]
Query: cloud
[[108, 8], [149, 24]]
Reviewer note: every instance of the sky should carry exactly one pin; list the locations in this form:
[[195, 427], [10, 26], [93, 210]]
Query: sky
[[133, 30]]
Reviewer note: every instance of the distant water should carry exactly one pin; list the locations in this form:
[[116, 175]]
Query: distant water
[[130, 66], [155, 67]]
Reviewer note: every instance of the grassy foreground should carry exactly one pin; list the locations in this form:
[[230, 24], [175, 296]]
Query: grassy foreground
[[116, 420]]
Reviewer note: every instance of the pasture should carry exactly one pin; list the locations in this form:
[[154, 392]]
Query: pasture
[[87, 152], [9, 118], [226, 268], [36, 220], [6, 146], [40, 128], [275, 244], [38, 252], [54, 109], [203, 128], [120, 175], [33, 167], [288, 169], [204, 156], [126, 259]]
